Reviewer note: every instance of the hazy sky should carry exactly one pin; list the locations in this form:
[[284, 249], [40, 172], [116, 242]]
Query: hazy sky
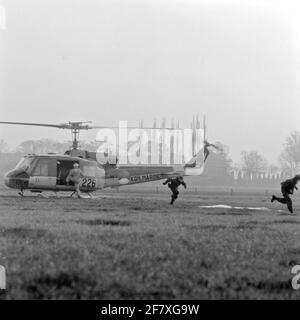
[[235, 61]]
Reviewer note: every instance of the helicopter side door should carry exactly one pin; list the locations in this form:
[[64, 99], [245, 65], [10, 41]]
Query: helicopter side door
[[43, 174], [63, 167]]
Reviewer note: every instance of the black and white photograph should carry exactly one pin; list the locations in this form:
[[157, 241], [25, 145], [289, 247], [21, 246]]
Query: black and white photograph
[[149, 151]]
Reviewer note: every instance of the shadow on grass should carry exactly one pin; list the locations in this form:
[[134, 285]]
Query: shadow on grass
[[266, 224], [218, 227], [103, 222], [136, 208], [212, 227], [92, 209]]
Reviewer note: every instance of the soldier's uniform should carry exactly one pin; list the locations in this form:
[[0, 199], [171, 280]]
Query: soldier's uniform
[[75, 176], [287, 188], [173, 184]]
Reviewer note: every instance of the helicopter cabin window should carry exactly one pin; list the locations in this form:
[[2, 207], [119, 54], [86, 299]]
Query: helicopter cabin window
[[41, 168]]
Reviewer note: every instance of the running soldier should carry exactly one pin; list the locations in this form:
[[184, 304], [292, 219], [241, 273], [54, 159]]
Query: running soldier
[[287, 189], [173, 184], [75, 176]]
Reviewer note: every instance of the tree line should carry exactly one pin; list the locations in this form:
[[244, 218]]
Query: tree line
[[252, 162], [288, 160]]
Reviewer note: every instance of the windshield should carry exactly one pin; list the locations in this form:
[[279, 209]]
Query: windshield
[[24, 163]]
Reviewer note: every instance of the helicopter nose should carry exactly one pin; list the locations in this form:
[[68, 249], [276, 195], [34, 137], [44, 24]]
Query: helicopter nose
[[10, 179], [16, 179], [7, 181]]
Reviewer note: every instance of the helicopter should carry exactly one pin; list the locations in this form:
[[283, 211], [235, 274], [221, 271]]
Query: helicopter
[[48, 172]]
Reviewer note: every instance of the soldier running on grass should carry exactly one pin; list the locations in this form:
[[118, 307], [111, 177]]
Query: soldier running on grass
[[173, 184], [287, 189]]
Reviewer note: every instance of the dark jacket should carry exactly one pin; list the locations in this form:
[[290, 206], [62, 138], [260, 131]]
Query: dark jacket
[[174, 183], [289, 185]]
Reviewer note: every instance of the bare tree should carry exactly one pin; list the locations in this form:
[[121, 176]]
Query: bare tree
[[43, 146], [290, 156], [273, 168], [48, 145], [253, 162], [89, 146]]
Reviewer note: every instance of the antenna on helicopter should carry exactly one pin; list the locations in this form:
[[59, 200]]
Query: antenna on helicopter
[[204, 128]]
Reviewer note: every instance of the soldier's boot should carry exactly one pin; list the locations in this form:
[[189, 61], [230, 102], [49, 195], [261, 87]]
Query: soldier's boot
[[290, 206], [174, 196]]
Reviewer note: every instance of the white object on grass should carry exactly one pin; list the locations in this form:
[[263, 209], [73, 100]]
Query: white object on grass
[[218, 206], [225, 206], [253, 208]]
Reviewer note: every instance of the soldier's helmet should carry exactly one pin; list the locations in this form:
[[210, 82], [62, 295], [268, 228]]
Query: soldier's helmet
[[180, 178]]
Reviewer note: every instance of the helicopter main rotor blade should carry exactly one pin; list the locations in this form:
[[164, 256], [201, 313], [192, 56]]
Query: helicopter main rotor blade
[[81, 126], [61, 126], [129, 127]]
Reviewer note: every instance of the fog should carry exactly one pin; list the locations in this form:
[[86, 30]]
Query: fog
[[237, 62]]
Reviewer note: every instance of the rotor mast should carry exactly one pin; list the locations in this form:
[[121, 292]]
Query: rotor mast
[[75, 128], [75, 138]]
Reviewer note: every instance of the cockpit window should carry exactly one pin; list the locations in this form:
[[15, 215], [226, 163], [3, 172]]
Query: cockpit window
[[41, 168], [24, 163]]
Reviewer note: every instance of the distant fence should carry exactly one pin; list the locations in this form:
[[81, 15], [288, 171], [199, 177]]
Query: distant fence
[[200, 191], [253, 181], [259, 179]]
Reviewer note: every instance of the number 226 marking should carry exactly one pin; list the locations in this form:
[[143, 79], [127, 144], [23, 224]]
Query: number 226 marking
[[88, 183]]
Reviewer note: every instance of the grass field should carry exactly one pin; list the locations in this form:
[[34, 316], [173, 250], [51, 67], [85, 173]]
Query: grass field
[[134, 245]]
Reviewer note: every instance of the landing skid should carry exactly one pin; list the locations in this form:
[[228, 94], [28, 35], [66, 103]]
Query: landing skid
[[86, 195], [90, 196], [72, 194], [40, 194], [43, 196]]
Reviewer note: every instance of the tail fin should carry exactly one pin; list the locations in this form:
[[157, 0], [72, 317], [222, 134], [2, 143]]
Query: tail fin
[[195, 167]]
